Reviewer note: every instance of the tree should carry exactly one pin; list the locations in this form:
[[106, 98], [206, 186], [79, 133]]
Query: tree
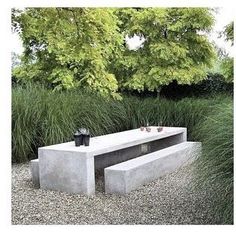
[[175, 47], [227, 69], [227, 63], [87, 47], [68, 47], [229, 32]]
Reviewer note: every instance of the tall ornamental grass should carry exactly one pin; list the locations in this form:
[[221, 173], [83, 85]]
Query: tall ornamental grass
[[215, 169], [43, 117]]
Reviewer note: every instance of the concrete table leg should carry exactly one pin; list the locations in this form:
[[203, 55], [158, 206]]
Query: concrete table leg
[[65, 171]]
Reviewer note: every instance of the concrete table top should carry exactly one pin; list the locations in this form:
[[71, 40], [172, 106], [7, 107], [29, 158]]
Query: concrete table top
[[115, 141]]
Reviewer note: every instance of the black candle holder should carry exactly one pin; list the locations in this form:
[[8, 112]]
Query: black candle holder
[[86, 139], [78, 139], [82, 137]]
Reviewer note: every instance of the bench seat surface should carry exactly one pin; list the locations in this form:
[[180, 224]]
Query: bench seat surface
[[127, 176]]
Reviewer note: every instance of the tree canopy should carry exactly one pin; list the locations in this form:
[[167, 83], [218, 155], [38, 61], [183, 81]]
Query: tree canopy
[[229, 32], [174, 47], [87, 47], [69, 47]]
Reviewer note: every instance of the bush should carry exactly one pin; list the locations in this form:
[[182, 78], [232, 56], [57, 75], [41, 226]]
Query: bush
[[216, 167], [212, 85]]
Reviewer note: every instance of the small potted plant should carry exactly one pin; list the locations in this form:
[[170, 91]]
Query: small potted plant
[[78, 137], [82, 137], [86, 138]]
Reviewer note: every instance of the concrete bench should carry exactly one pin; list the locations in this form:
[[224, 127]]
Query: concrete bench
[[34, 171], [129, 175]]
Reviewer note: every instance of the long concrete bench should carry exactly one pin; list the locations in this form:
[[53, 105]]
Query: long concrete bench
[[129, 175]]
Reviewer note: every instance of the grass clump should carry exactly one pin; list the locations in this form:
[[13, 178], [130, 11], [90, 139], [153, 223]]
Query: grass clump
[[43, 117], [215, 169]]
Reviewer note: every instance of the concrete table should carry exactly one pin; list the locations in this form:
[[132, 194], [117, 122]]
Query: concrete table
[[65, 167]]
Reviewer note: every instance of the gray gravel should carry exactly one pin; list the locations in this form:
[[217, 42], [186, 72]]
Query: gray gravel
[[169, 200]]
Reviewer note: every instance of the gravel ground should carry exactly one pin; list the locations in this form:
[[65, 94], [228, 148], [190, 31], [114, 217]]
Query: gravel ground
[[168, 200]]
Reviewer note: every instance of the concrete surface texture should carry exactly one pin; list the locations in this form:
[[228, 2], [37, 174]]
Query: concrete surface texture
[[34, 171], [66, 171], [65, 167], [127, 176], [115, 141]]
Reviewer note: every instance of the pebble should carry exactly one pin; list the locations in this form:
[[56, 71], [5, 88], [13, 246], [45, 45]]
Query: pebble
[[171, 199]]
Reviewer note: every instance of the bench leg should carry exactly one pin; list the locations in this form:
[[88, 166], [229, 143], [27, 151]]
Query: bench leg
[[70, 172], [34, 171]]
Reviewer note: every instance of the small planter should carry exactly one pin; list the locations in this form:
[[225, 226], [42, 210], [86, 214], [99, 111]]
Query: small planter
[[78, 139], [86, 139], [159, 129], [82, 137]]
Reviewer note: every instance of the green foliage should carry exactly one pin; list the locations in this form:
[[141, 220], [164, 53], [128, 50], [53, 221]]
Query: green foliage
[[227, 63], [85, 47], [212, 85], [229, 32], [215, 171], [42, 117], [227, 68], [69, 47], [175, 47]]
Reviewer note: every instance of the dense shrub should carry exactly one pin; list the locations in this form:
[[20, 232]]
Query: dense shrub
[[216, 167], [212, 85]]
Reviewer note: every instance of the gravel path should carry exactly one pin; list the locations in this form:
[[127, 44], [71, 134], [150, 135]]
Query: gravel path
[[168, 200]]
